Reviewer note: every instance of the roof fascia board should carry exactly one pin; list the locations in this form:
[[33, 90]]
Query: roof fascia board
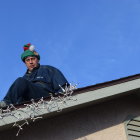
[[81, 99]]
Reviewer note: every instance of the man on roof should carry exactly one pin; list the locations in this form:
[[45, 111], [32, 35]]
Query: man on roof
[[38, 81]]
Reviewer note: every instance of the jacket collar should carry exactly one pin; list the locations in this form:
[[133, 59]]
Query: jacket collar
[[28, 72]]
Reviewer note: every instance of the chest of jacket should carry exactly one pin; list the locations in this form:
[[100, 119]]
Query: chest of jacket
[[39, 75]]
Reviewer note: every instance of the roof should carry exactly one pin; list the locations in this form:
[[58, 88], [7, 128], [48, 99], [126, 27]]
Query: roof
[[22, 114]]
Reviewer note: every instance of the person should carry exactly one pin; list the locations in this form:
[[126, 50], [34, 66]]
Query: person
[[38, 81]]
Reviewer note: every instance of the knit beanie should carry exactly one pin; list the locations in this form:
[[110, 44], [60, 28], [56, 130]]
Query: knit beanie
[[29, 50]]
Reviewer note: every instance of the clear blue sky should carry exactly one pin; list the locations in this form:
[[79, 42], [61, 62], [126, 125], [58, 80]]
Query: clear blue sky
[[90, 41]]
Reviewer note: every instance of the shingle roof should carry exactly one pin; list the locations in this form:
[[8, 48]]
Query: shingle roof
[[81, 97]]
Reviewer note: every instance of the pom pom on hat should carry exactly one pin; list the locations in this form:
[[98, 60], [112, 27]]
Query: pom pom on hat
[[29, 47], [32, 48]]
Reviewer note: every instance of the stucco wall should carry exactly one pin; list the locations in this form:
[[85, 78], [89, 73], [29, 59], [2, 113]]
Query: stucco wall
[[102, 121]]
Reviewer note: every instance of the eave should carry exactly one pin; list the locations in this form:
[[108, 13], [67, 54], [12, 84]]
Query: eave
[[82, 97]]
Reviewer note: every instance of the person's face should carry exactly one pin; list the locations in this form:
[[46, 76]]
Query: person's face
[[31, 62]]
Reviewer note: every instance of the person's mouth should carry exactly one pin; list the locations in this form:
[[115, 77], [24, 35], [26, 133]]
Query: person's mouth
[[32, 66]]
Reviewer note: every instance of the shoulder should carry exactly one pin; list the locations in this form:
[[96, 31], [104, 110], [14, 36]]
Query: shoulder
[[49, 68]]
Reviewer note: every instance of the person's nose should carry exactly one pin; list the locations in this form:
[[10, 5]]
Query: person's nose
[[30, 61]]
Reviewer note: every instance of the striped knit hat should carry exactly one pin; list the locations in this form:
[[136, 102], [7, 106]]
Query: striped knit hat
[[29, 50]]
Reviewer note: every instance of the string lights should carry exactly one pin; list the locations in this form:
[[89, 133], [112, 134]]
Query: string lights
[[34, 110]]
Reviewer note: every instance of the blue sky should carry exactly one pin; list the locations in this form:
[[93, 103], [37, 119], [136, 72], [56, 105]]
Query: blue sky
[[90, 41]]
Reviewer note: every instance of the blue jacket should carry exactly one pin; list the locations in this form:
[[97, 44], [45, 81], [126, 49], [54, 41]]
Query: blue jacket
[[48, 77]]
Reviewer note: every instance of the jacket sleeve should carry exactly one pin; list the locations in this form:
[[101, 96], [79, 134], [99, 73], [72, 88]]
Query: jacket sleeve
[[58, 80]]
